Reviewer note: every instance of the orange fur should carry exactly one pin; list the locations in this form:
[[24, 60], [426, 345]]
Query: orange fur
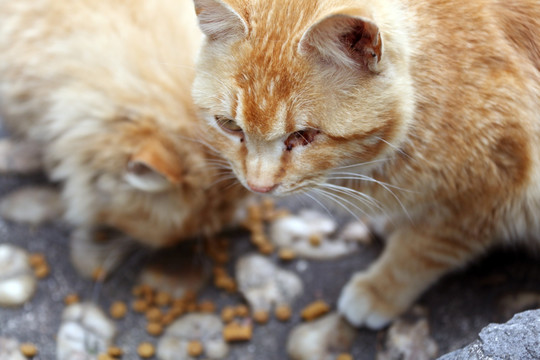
[[105, 87], [423, 114]]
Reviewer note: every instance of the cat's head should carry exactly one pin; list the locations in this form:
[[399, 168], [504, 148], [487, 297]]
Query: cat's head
[[292, 90]]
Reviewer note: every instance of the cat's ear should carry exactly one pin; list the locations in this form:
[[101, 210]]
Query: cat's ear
[[153, 167], [219, 21], [344, 39]]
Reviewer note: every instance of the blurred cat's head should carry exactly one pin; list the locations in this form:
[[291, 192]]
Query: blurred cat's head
[[291, 90]]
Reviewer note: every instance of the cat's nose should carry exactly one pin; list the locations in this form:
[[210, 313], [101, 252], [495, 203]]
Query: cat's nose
[[261, 189]]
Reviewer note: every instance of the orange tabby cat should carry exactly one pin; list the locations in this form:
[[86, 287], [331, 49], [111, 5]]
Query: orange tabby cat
[[105, 87], [426, 113]]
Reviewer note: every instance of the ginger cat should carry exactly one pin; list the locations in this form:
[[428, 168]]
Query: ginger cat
[[423, 113], [104, 86]]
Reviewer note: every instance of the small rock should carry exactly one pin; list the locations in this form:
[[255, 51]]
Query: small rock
[[17, 280], [323, 339], [519, 338], [297, 232], [203, 328], [408, 338], [32, 205], [20, 157], [264, 284], [9, 349], [84, 333]]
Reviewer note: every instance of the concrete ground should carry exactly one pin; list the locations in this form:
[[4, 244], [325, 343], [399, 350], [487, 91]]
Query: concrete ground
[[458, 306]]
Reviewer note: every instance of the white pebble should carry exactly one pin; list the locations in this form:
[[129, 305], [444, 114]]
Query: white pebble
[[324, 338], [32, 205], [17, 281], [85, 331], [264, 284], [9, 349], [205, 328], [356, 231]]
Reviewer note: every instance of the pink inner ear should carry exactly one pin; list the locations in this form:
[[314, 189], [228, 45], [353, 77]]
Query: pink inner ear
[[160, 158]]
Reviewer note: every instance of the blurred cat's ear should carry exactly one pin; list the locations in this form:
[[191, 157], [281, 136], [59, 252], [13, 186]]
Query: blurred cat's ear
[[344, 39], [153, 168], [219, 21]]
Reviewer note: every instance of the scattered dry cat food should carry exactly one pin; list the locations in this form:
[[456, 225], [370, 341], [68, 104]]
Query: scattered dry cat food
[[154, 314], [42, 271], [315, 310], [99, 274], [315, 240], [207, 306], [139, 305], [344, 357], [115, 351], [29, 350], [261, 316], [162, 299], [146, 350], [191, 307], [154, 328], [266, 248], [141, 290], [226, 283], [71, 299], [36, 259], [241, 311], [237, 332], [118, 309], [105, 357], [287, 254], [228, 314], [195, 348], [283, 312]]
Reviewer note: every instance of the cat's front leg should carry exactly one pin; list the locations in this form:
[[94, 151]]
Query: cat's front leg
[[411, 262]]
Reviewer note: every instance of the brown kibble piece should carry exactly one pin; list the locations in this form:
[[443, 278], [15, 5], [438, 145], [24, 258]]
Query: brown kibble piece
[[283, 313], [254, 213], [154, 314], [287, 254], [241, 311], [237, 332], [315, 240], [115, 351], [140, 305], [71, 299], [141, 290], [42, 271], [227, 314], [99, 274], [315, 310], [226, 283], [154, 328], [191, 307], [118, 309], [266, 248], [207, 306], [261, 316], [105, 357], [146, 350], [195, 348], [36, 259], [344, 357], [28, 349], [162, 299]]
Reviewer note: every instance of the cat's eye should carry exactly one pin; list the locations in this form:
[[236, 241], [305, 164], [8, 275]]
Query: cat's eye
[[301, 138], [228, 125]]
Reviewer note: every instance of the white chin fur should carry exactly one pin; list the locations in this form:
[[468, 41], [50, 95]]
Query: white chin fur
[[151, 182]]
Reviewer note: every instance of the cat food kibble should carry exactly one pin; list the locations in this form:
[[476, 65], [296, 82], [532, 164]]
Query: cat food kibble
[[139, 305], [344, 357], [118, 310], [315, 310], [71, 299], [315, 240], [162, 299], [226, 283], [266, 248], [195, 348], [42, 271], [99, 274], [287, 254], [207, 307], [227, 314], [154, 314], [36, 259], [154, 328], [283, 312], [29, 350], [146, 350], [241, 311], [261, 316], [115, 351], [237, 332], [105, 357]]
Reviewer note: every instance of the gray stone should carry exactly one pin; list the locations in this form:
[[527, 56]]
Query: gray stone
[[518, 339]]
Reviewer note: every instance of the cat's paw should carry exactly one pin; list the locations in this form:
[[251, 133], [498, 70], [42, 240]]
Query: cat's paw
[[360, 304]]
